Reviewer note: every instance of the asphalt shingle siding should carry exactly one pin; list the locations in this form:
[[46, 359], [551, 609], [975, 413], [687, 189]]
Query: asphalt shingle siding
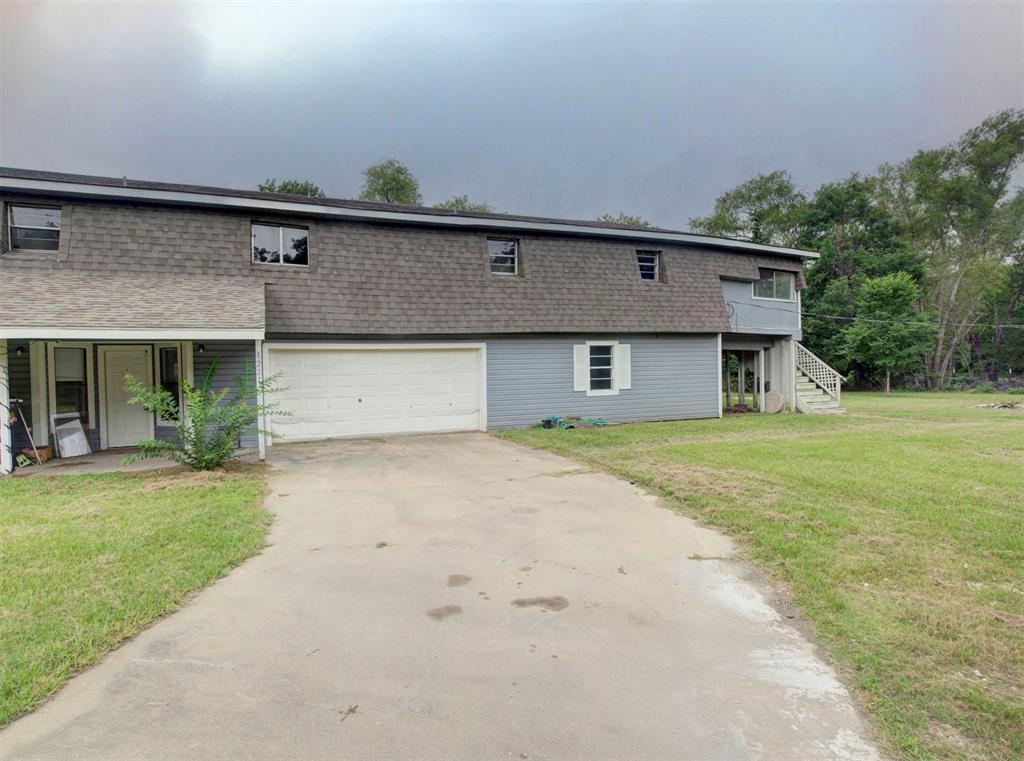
[[378, 279]]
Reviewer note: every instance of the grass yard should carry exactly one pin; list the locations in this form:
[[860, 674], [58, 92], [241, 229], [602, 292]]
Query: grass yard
[[898, 530], [86, 561]]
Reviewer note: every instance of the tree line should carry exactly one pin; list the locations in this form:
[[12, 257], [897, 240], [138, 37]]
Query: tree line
[[921, 276]]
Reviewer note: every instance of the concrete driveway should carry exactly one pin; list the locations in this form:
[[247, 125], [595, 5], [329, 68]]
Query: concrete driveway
[[519, 607]]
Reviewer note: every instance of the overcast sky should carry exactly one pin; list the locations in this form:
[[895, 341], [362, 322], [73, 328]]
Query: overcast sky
[[557, 109]]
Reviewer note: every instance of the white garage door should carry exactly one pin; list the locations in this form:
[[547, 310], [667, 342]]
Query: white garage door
[[333, 392]]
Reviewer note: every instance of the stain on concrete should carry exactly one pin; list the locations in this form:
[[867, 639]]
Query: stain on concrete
[[459, 580], [526, 568], [445, 611], [555, 603], [524, 509]]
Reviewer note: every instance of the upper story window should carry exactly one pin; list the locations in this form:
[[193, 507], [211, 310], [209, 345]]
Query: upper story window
[[779, 286], [34, 228], [278, 244], [649, 263], [504, 256]]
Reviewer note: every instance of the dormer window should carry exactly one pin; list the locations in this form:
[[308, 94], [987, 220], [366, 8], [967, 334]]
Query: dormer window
[[775, 285], [34, 228], [504, 256], [649, 263], [278, 244]]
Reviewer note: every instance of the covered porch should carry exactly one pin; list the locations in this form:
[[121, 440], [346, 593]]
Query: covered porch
[[53, 371], [754, 366]]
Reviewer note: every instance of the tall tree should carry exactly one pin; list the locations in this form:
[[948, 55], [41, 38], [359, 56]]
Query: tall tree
[[462, 203], [390, 181], [765, 209], [622, 218], [888, 333], [952, 203], [857, 239], [292, 187]]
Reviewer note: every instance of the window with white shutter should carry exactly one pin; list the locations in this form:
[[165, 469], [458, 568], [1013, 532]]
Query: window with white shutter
[[601, 368]]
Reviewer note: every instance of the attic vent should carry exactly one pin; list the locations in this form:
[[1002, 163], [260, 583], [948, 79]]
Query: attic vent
[[649, 263]]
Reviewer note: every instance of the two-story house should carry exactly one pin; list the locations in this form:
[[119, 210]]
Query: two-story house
[[380, 319]]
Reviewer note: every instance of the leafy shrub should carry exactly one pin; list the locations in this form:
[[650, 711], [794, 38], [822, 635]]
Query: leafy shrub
[[1017, 390], [983, 388], [211, 425]]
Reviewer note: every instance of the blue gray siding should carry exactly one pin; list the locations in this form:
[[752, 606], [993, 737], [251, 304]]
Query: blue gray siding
[[233, 358], [763, 316], [529, 379], [20, 388]]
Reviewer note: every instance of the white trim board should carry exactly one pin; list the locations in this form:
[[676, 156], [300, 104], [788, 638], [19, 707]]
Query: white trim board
[[132, 334], [424, 218]]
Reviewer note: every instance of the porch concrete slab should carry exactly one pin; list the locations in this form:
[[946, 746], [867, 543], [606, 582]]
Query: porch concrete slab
[[459, 597]]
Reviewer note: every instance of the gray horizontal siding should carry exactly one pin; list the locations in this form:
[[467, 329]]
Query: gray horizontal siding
[[18, 369], [750, 315], [233, 358], [529, 379]]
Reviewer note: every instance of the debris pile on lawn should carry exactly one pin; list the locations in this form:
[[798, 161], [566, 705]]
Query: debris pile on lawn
[[569, 422], [1002, 405]]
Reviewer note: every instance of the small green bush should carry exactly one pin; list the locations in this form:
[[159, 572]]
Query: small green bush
[[983, 388], [211, 426]]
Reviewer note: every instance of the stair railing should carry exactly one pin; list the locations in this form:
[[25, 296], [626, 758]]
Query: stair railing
[[827, 379]]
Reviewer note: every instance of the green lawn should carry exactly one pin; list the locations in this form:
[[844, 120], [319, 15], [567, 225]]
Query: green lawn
[[86, 561], [898, 530]]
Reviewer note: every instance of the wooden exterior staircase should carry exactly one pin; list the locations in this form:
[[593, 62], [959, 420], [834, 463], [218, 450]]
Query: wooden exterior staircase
[[818, 386]]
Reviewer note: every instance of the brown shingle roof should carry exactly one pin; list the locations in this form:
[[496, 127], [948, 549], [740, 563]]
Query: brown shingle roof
[[100, 300]]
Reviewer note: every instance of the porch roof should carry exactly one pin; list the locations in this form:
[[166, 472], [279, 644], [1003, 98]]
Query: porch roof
[[87, 305]]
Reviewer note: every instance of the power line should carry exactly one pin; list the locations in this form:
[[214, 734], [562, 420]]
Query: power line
[[914, 322]]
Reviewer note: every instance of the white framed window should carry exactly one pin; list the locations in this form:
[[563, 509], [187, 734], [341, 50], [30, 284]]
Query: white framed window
[[33, 228], [169, 366], [504, 256], [601, 368], [649, 263], [280, 244], [71, 380], [775, 286]]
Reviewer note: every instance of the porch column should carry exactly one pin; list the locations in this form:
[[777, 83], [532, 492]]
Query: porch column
[[720, 359], [6, 453], [261, 422], [742, 390], [760, 379]]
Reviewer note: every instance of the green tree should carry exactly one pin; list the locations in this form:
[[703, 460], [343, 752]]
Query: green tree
[[622, 218], [959, 211], [857, 239], [291, 187], [462, 203], [888, 333], [212, 424], [765, 209], [390, 181]]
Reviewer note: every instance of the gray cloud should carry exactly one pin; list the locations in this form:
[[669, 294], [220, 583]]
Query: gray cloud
[[567, 110]]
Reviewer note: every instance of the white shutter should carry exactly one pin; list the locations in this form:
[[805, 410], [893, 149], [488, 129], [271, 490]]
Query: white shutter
[[580, 368], [623, 372]]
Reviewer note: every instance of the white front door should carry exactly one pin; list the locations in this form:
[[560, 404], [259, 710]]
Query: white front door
[[125, 424]]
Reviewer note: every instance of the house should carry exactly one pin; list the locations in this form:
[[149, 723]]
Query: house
[[381, 319]]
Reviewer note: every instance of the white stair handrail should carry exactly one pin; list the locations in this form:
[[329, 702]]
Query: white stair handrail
[[826, 378]]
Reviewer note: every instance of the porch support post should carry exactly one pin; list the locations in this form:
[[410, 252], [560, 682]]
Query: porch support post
[[6, 452], [720, 358], [40, 394], [760, 379], [742, 389], [261, 423]]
